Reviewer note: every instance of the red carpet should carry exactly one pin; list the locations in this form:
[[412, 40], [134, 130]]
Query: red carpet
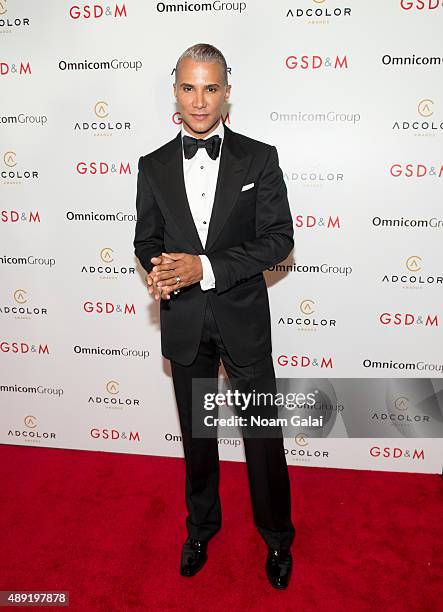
[[109, 528]]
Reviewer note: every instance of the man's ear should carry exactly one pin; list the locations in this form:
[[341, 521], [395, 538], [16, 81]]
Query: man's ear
[[174, 89], [227, 93]]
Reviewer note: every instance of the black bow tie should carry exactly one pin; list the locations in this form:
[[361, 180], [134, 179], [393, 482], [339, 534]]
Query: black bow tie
[[212, 146]]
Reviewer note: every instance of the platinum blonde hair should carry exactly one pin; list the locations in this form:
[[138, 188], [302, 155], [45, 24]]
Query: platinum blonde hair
[[203, 52]]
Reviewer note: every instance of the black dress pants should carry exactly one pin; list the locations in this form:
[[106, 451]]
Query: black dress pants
[[266, 461]]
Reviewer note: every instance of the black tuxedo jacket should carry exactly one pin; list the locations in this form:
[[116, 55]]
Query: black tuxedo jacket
[[248, 232]]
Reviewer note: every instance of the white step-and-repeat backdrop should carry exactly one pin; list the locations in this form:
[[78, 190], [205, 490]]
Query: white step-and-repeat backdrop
[[350, 92]]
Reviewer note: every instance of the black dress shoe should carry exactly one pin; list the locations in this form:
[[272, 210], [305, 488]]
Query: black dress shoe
[[278, 567], [194, 556]]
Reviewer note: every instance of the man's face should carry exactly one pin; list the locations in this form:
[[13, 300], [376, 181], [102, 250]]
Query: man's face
[[200, 93]]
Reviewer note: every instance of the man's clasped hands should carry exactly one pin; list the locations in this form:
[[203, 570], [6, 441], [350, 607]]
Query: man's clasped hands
[[162, 280]]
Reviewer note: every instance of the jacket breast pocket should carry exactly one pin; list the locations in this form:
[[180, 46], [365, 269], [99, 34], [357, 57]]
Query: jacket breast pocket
[[247, 196], [249, 186]]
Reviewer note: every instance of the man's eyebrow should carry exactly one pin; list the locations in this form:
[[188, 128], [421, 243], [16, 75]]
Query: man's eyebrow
[[191, 85]]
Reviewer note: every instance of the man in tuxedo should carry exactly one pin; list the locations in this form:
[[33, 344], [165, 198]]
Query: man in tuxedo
[[212, 214]]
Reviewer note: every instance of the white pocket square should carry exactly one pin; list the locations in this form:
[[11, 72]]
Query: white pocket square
[[246, 187]]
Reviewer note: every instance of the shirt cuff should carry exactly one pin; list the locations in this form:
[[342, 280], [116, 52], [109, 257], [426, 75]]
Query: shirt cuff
[[208, 280]]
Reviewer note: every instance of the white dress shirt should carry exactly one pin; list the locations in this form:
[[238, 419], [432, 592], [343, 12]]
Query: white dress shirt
[[201, 174]]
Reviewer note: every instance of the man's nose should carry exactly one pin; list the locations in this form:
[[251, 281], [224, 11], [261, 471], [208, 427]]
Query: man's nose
[[199, 100]]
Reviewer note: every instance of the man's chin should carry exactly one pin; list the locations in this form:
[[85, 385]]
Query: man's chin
[[200, 127]]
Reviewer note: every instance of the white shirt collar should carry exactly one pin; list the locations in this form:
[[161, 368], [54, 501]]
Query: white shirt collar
[[219, 130]]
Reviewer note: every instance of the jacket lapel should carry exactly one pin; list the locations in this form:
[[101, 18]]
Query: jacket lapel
[[234, 163], [170, 179]]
